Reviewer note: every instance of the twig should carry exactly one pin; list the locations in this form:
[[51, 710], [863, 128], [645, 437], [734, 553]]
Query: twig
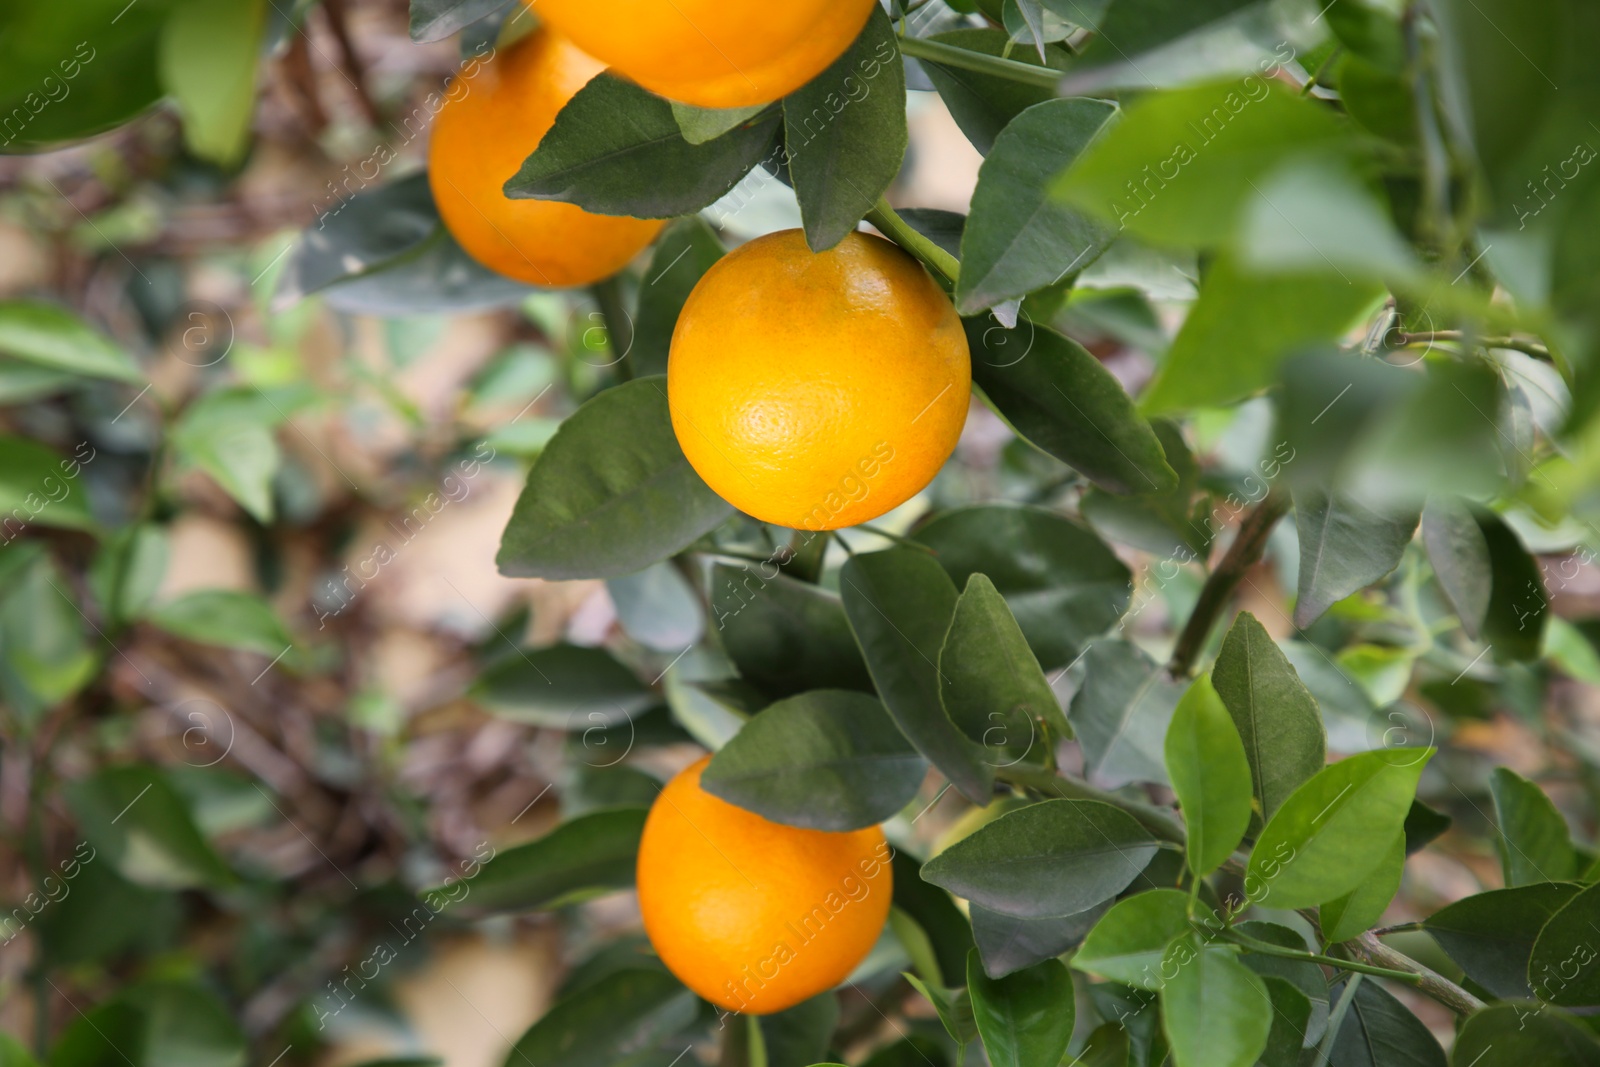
[[1435, 985], [901, 233], [1267, 948], [1241, 556], [1532, 348], [334, 9], [949, 55]]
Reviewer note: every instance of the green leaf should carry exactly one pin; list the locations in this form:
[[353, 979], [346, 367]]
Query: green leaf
[[1055, 858], [946, 928], [1335, 830], [785, 636], [1243, 326], [1518, 603], [900, 603], [127, 572], [104, 917], [1107, 1046], [1018, 238], [827, 760], [228, 435], [983, 104], [1361, 909], [1064, 402], [580, 858], [1008, 943], [1275, 714], [40, 487], [44, 652], [798, 1036], [1306, 977], [844, 134], [1129, 942], [49, 336], [616, 149], [185, 1025], [1291, 1017], [609, 1024], [1062, 583], [1122, 712], [954, 1007], [1343, 547], [224, 618], [1210, 774], [610, 494], [97, 1037], [1511, 1035], [1378, 1031], [13, 1054], [1560, 968], [684, 252], [1460, 557], [701, 124], [991, 684], [141, 824], [208, 64], [658, 608], [565, 687], [1491, 935], [434, 20], [1181, 165], [1534, 843], [1025, 1018], [1214, 1010]]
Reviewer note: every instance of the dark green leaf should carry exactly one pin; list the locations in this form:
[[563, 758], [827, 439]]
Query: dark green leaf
[[1210, 774], [918, 1050], [1534, 842], [1335, 830], [827, 760], [1291, 1016], [1308, 978], [1018, 238], [225, 618], [1062, 583], [97, 1038], [1378, 1031], [1275, 714], [1214, 1010], [844, 134], [613, 1023], [1518, 605], [658, 607], [566, 687], [1359, 910], [45, 655], [1514, 1035], [991, 684], [982, 104], [1009, 943], [900, 603], [610, 494], [784, 635], [1063, 401], [1055, 858], [1128, 943], [1025, 1018], [1122, 712], [582, 856], [684, 252], [48, 336], [1343, 547], [133, 816], [947, 930], [616, 149], [954, 1007], [1491, 935], [185, 1024], [1107, 1046], [434, 20], [39, 487], [1561, 968], [101, 917], [798, 1036]]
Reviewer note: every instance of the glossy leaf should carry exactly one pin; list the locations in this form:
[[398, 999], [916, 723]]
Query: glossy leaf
[[610, 494], [1362, 908], [1018, 238], [1534, 843], [1008, 943], [900, 603], [1335, 830], [565, 687], [1064, 402], [1460, 559], [683, 253], [983, 104], [1129, 942], [581, 857], [616, 149], [1210, 774], [1510, 1035], [658, 607], [844, 134], [1378, 1031], [1490, 935], [48, 336], [1343, 547], [991, 684], [1274, 713], [785, 636], [1291, 1016], [1215, 1011], [1058, 857], [601, 1026], [1561, 967], [827, 760], [1025, 1018], [1122, 712]]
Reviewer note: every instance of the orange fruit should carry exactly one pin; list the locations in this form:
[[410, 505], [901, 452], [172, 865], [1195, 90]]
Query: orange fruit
[[753, 915], [492, 119], [712, 53], [818, 390]]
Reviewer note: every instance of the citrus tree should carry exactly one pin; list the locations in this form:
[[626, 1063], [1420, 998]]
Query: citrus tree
[[1077, 631]]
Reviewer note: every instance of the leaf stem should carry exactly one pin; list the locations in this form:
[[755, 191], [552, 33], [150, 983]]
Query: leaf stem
[[901, 233], [1518, 344], [1241, 556], [949, 55], [1428, 981], [1158, 821], [1267, 948]]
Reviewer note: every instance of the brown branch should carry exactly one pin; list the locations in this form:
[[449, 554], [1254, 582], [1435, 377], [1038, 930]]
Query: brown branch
[[1435, 985], [1243, 554], [349, 60]]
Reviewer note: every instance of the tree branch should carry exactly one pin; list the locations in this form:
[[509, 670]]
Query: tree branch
[[1241, 556], [1435, 985]]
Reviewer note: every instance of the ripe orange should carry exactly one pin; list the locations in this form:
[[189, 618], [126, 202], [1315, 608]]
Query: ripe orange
[[818, 390], [492, 119], [712, 53], [752, 915]]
